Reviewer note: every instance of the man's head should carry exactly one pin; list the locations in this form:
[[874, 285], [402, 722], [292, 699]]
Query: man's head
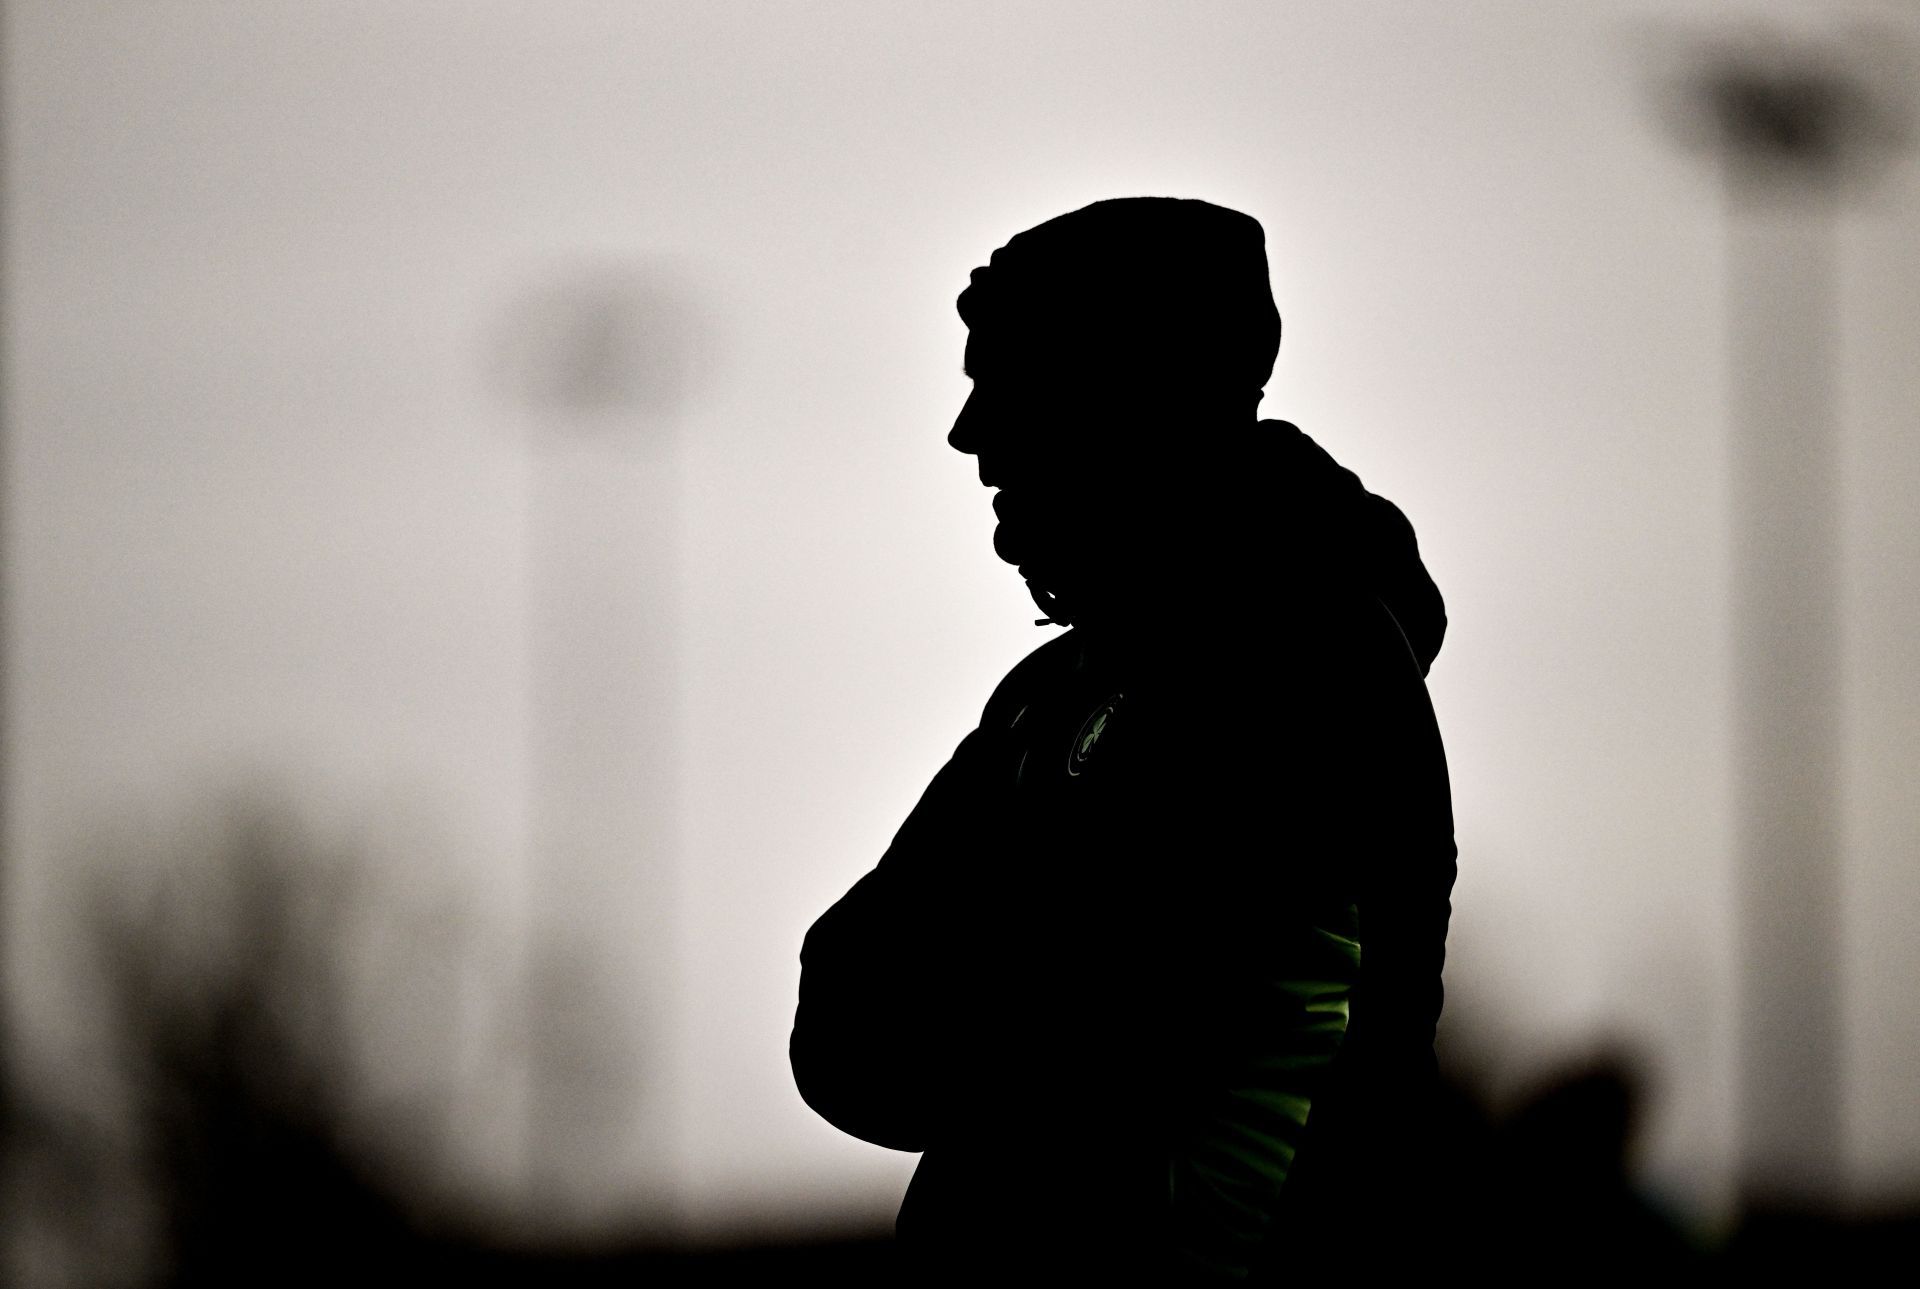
[[1114, 351]]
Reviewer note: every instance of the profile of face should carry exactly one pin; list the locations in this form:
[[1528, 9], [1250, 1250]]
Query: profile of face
[[1100, 481], [1117, 353], [1045, 438]]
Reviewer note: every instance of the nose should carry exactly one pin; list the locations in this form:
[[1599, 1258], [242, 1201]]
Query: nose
[[965, 435]]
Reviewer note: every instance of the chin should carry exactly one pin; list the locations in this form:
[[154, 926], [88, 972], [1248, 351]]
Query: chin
[[1010, 544], [1018, 547]]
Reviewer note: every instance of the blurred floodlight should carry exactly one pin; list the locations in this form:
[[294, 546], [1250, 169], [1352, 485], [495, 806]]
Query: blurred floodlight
[[594, 343]]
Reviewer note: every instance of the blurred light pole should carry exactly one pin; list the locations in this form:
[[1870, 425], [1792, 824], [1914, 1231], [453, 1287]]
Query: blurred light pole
[[597, 357], [1794, 126]]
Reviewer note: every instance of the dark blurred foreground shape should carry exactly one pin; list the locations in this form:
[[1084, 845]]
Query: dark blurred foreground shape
[[265, 1165], [1546, 1192], [229, 1131]]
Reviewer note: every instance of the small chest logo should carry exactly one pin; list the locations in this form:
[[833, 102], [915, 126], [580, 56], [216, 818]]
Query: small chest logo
[[1089, 736]]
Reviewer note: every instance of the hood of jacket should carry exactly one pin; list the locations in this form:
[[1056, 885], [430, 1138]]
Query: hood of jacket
[[1273, 508], [1353, 536]]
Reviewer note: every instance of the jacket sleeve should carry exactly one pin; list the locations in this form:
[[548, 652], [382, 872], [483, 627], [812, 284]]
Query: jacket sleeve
[[1229, 1156], [1366, 1179], [861, 1046], [868, 1050]]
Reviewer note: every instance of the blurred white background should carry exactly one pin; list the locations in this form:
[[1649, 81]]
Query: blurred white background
[[490, 405]]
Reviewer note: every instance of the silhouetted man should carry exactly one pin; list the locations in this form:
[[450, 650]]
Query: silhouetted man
[[1188, 880]]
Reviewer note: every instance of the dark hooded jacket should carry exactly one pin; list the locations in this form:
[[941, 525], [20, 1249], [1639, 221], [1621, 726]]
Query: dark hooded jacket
[[1075, 972]]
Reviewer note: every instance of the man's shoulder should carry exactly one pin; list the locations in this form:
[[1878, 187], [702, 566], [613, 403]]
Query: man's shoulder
[[1049, 661]]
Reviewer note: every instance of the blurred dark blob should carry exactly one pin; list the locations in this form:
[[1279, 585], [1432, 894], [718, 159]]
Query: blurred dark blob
[[1803, 117], [1786, 114], [1564, 1158], [234, 1131], [595, 342], [1538, 1187], [234, 1119], [1543, 1187], [259, 1160]]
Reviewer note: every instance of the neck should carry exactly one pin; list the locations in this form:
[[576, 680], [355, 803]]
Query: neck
[[1184, 531], [1190, 566]]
